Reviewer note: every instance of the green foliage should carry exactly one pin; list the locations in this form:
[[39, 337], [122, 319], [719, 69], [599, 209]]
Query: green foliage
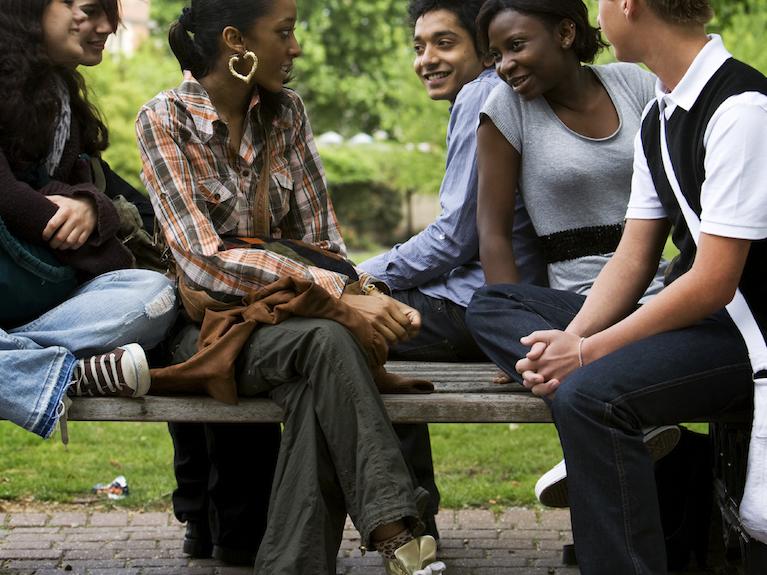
[[120, 86], [368, 182], [744, 35]]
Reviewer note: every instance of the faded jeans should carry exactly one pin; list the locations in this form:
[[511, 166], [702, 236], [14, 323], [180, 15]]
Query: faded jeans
[[700, 372], [37, 359]]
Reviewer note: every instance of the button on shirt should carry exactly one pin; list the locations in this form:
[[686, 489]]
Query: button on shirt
[[202, 192]]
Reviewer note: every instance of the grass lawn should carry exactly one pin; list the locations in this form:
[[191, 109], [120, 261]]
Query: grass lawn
[[476, 465], [489, 465]]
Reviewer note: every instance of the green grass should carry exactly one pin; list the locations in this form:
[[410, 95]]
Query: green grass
[[476, 465], [31, 468], [489, 465]]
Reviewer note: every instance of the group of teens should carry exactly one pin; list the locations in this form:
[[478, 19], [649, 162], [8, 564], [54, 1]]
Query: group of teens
[[559, 194]]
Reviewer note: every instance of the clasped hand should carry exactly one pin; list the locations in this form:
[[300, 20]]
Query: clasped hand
[[72, 224], [553, 356], [394, 320]]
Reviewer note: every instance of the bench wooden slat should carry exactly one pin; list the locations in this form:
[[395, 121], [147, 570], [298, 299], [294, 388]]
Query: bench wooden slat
[[464, 393], [434, 408]]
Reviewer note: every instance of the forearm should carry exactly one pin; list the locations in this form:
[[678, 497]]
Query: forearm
[[708, 287], [624, 279], [497, 256], [430, 254], [679, 305]]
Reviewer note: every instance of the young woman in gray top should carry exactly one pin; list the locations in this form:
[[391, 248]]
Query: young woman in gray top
[[560, 133]]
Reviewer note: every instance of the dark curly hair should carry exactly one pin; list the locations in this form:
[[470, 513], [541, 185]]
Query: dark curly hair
[[465, 10], [29, 106], [588, 40]]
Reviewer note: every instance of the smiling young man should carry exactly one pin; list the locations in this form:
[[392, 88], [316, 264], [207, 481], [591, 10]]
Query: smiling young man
[[438, 270]]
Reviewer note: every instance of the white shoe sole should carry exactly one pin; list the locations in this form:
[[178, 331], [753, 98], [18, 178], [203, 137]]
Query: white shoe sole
[[140, 368], [551, 488]]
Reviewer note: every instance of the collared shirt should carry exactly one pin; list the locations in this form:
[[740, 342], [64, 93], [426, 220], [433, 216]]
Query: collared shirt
[[442, 261], [203, 193], [734, 193]]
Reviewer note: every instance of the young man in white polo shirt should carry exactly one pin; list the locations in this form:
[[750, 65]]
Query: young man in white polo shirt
[[680, 357]]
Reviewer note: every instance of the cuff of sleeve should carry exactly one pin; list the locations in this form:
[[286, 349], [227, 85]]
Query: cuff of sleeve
[[733, 231], [367, 279], [636, 213]]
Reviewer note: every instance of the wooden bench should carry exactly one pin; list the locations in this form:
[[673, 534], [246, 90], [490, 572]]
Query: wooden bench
[[464, 393]]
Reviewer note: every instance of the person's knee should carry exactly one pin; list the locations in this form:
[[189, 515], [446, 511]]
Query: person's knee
[[153, 298]]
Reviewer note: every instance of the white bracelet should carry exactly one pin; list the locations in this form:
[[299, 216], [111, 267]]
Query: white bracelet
[[580, 351]]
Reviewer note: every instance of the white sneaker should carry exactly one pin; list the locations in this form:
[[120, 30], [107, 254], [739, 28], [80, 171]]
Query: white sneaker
[[124, 372], [551, 488]]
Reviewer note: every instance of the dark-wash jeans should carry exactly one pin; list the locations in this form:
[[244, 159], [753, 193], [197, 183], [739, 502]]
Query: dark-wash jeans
[[443, 337], [700, 372]]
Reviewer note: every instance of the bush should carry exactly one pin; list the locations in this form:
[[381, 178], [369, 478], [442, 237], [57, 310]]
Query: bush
[[368, 185]]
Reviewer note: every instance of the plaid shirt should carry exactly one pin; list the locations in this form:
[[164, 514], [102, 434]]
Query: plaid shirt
[[202, 192]]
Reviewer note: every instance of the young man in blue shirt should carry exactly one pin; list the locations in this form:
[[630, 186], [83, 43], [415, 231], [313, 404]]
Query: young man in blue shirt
[[438, 270]]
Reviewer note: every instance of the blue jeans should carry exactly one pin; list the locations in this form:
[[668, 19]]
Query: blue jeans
[[443, 337], [37, 359], [700, 372]]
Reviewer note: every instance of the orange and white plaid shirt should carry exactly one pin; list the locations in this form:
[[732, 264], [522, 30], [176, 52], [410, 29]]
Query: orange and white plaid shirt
[[203, 193]]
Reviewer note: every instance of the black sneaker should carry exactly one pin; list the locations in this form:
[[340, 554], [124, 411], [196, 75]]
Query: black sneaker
[[122, 372]]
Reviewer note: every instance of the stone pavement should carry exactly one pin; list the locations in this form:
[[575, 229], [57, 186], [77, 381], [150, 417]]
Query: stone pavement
[[474, 542]]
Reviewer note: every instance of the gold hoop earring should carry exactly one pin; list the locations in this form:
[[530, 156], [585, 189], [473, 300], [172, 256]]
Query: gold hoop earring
[[235, 59]]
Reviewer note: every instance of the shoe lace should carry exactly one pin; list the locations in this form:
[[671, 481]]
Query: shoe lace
[[104, 370], [61, 412]]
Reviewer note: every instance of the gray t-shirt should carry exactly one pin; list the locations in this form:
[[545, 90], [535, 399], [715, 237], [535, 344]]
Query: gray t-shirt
[[575, 188]]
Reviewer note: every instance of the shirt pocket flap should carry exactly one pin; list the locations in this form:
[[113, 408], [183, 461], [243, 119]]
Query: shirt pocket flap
[[214, 191], [283, 177]]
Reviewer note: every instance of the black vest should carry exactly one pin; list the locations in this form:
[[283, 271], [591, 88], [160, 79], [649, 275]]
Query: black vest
[[685, 131]]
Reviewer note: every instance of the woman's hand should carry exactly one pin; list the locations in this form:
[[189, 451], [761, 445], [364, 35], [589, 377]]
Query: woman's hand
[[72, 224], [552, 357], [394, 320]]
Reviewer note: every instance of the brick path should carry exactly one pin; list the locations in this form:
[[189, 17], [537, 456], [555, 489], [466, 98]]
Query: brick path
[[474, 542]]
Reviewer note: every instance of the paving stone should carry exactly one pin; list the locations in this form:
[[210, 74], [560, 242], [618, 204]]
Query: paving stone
[[517, 516], [28, 520], [110, 519], [475, 519], [30, 553], [68, 519], [147, 519], [556, 519]]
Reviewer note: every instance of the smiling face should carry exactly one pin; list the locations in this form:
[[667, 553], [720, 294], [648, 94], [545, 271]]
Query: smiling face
[[94, 31], [61, 23], [272, 38], [529, 55], [445, 57]]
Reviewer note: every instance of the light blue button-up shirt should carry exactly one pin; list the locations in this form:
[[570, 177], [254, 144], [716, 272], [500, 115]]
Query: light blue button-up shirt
[[442, 261]]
